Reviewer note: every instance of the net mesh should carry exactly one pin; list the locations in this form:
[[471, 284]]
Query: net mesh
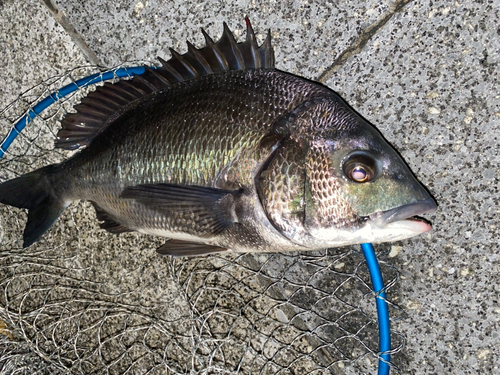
[[84, 301]]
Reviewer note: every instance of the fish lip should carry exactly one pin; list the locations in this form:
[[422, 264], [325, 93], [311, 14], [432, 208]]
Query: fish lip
[[407, 211]]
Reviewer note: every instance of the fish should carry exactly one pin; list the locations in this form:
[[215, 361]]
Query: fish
[[219, 151]]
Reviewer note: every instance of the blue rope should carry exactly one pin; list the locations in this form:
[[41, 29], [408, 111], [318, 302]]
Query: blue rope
[[384, 328], [368, 251]]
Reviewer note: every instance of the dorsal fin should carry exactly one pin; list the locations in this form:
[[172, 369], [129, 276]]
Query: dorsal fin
[[108, 102]]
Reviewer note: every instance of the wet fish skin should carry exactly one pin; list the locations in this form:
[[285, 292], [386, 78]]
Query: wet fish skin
[[239, 156]]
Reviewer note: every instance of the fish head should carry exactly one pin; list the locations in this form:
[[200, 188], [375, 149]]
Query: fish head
[[352, 186], [359, 188]]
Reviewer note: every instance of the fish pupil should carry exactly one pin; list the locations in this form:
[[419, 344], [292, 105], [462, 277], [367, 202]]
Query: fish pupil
[[359, 174]]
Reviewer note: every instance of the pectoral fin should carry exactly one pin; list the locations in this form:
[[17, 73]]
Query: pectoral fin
[[188, 249], [202, 210]]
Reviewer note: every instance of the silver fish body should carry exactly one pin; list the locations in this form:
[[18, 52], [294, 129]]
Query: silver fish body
[[218, 151]]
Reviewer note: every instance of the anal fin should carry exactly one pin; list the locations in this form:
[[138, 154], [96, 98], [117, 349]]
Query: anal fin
[[109, 223], [180, 248]]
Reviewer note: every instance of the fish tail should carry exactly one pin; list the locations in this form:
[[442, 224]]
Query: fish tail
[[35, 192]]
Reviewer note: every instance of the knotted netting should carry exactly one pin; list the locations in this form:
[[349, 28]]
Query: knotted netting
[[84, 301]]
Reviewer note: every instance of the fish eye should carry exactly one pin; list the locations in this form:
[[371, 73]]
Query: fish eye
[[360, 166]]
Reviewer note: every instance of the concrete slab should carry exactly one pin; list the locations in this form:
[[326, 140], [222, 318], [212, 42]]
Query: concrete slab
[[34, 48], [427, 75]]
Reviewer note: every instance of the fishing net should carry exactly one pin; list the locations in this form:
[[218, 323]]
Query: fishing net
[[84, 301]]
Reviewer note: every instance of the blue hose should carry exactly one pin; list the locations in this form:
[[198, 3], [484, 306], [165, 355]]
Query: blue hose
[[384, 327], [368, 251]]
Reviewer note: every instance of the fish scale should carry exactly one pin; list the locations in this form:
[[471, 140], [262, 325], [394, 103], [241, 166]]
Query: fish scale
[[219, 151]]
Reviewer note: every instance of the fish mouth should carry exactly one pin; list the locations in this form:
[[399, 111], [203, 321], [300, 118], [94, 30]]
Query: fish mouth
[[406, 215]]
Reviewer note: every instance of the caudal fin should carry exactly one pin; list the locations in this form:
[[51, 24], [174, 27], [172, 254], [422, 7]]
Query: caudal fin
[[35, 192]]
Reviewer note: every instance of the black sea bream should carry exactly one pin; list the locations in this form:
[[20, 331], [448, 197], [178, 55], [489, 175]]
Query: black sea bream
[[219, 151]]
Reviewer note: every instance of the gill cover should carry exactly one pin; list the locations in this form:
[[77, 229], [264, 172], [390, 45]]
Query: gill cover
[[297, 186], [281, 189]]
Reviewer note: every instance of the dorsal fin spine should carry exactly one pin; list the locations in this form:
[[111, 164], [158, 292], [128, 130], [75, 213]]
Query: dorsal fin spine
[[173, 75], [213, 54], [147, 83], [125, 94], [198, 59], [136, 88], [108, 99], [190, 70], [251, 44], [228, 45], [158, 76], [267, 52]]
